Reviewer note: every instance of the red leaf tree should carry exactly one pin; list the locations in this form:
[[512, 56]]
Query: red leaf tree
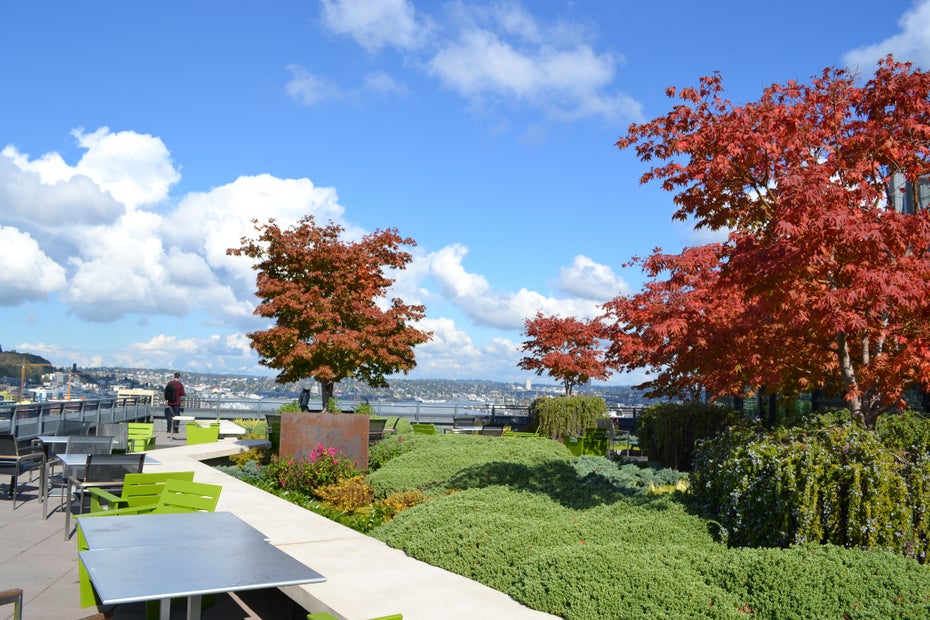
[[821, 284], [568, 349], [324, 295]]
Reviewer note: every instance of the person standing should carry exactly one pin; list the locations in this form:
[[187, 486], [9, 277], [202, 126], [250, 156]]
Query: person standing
[[174, 392], [303, 391]]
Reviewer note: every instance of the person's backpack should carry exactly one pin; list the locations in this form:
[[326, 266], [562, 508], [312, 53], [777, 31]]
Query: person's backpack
[[171, 392]]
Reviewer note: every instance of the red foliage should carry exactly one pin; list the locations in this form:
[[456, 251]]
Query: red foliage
[[568, 349], [324, 295], [820, 284]]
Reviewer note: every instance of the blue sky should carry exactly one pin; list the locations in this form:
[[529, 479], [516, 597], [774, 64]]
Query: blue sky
[[139, 140]]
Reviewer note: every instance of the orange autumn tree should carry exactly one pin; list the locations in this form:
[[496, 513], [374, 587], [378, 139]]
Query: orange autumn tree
[[821, 284], [324, 293], [568, 349]]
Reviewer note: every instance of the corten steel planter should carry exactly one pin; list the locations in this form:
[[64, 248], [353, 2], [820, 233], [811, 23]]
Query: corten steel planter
[[303, 431]]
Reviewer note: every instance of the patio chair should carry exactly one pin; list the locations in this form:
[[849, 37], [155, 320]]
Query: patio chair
[[493, 431], [141, 436], [574, 444], [177, 495], [138, 490], [119, 433], [423, 429], [14, 596], [595, 442], [77, 444], [15, 460], [103, 471], [376, 430]]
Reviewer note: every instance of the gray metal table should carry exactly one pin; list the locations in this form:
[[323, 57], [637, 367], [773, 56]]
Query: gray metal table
[[180, 556]]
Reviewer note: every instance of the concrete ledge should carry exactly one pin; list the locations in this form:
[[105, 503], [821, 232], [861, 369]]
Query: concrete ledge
[[365, 577]]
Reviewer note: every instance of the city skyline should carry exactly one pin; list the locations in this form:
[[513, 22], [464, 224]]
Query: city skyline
[[137, 143]]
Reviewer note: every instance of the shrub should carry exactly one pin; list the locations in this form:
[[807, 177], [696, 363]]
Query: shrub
[[834, 485], [258, 455], [567, 415], [254, 428], [289, 407], [388, 448], [387, 508], [347, 495], [305, 474], [668, 431]]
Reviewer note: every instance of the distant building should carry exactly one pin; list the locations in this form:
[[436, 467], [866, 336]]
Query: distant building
[[528, 385], [904, 197]]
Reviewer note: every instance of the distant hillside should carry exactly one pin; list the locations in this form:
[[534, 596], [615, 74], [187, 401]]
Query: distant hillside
[[11, 366]]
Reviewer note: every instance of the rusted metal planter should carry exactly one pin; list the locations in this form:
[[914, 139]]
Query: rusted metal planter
[[303, 431]]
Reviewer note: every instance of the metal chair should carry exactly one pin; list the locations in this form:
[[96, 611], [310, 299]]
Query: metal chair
[[14, 596], [77, 444], [100, 470], [119, 433], [16, 460]]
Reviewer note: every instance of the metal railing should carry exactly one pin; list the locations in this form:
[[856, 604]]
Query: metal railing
[[29, 420]]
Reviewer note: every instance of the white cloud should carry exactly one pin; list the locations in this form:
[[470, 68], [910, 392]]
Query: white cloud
[[375, 24], [474, 296], [590, 280], [134, 168], [453, 354], [496, 54], [26, 272], [911, 44], [307, 88], [45, 194]]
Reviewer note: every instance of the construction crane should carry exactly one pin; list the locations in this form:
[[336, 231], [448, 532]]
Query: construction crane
[[22, 380]]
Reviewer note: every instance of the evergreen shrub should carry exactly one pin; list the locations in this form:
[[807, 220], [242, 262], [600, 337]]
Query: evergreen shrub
[[567, 415], [836, 485], [668, 432]]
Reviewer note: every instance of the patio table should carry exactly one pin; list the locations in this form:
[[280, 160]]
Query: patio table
[[144, 559]]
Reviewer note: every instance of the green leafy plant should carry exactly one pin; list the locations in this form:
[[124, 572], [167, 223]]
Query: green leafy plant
[[332, 405], [306, 473]]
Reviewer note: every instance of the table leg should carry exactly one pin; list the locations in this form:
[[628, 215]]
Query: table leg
[[68, 510], [193, 607]]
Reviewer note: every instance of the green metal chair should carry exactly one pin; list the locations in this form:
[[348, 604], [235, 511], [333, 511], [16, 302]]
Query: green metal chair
[[141, 436], [138, 490], [595, 442], [423, 429], [197, 434]]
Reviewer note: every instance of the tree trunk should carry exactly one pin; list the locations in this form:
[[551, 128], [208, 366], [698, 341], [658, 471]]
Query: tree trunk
[[849, 378], [327, 391]]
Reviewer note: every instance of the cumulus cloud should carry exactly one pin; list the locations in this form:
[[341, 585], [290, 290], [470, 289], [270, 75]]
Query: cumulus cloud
[[26, 272], [453, 354], [590, 280], [375, 24], [134, 168], [487, 306], [911, 44], [45, 193]]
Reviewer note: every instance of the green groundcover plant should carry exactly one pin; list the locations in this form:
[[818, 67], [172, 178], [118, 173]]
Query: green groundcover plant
[[587, 538]]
